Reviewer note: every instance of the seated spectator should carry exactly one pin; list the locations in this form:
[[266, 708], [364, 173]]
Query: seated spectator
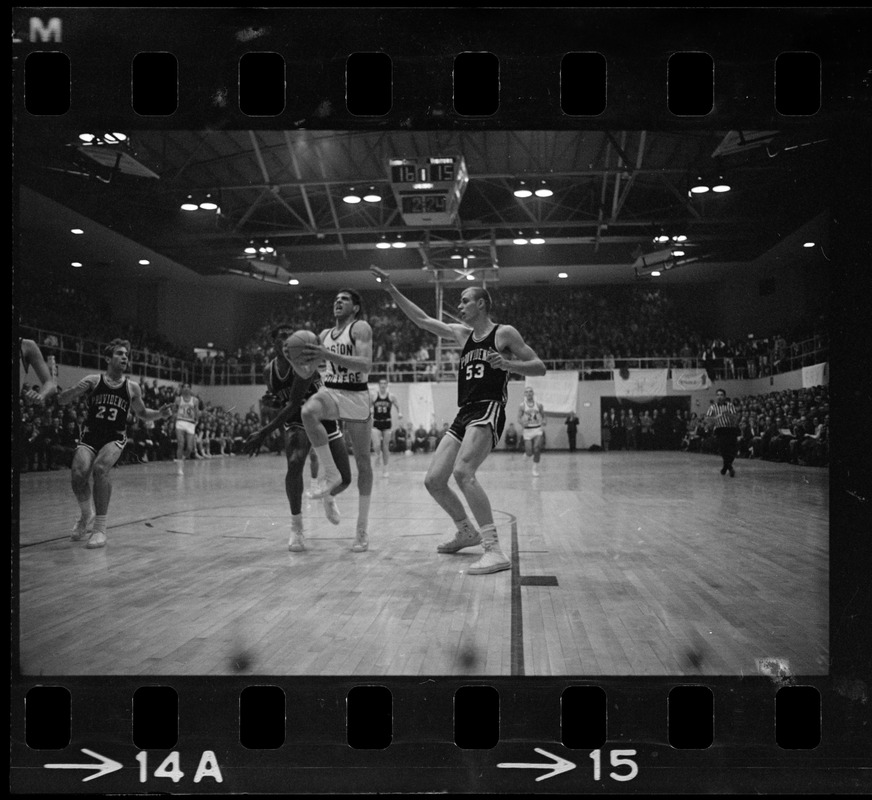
[[420, 443]]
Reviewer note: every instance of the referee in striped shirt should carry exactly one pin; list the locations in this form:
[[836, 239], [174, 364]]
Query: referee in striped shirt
[[726, 424]]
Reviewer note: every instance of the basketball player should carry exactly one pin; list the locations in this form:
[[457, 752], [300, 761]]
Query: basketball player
[[531, 417], [381, 422], [31, 356], [110, 397], [483, 375], [293, 390], [187, 409], [347, 349]]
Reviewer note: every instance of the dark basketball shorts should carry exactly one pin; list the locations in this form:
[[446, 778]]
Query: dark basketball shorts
[[480, 414], [96, 441], [330, 425], [381, 425]]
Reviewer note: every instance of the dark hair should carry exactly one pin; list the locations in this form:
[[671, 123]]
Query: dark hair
[[109, 349], [480, 293], [721, 390], [285, 326], [355, 298]]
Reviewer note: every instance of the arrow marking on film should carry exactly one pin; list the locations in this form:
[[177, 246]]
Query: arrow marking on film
[[559, 765], [104, 767]]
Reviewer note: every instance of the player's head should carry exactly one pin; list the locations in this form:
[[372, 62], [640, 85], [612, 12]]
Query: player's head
[[280, 333], [114, 347], [185, 389], [383, 384], [474, 301], [721, 394], [528, 392], [348, 304]]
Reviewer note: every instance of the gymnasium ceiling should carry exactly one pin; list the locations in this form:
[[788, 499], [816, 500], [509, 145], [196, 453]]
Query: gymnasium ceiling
[[613, 192]]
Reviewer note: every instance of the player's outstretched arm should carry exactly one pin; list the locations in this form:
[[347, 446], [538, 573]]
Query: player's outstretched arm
[[33, 356], [255, 440], [421, 318], [524, 361], [84, 386], [148, 414]]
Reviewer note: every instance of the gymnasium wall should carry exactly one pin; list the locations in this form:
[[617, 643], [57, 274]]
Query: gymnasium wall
[[243, 398]]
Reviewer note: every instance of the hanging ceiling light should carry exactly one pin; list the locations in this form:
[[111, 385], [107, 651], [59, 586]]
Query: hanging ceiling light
[[470, 277], [677, 253], [520, 238], [383, 244], [562, 275], [144, 262], [372, 196], [543, 190], [522, 190], [721, 184], [209, 204], [87, 138], [808, 244], [661, 239], [77, 231], [189, 205], [699, 185], [456, 255], [75, 263], [655, 274], [399, 243], [351, 198], [680, 238], [293, 282], [537, 239]]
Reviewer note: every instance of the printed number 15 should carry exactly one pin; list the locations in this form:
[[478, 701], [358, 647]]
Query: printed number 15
[[617, 759], [474, 371]]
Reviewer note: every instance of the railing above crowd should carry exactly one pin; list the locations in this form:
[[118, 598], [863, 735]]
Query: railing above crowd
[[88, 354]]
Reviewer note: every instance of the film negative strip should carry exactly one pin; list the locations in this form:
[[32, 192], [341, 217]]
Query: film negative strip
[[228, 728]]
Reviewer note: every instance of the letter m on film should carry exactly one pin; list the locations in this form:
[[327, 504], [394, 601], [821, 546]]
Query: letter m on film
[[45, 33]]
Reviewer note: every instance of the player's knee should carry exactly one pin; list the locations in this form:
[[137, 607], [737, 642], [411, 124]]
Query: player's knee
[[310, 412], [434, 482], [101, 471]]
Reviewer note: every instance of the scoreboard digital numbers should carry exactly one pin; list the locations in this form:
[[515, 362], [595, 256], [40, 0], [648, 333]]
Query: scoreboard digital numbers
[[428, 191]]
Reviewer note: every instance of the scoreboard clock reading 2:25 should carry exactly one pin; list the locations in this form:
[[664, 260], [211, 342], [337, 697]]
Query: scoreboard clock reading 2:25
[[428, 191]]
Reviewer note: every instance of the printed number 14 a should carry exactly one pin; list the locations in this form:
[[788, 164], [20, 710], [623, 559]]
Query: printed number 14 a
[[617, 758], [170, 767]]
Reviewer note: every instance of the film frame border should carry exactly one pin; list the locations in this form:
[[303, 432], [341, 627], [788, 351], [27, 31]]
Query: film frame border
[[742, 758]]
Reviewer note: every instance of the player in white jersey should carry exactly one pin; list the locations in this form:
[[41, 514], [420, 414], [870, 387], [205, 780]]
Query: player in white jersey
[[531, 418], [186, 408], [347, 350]]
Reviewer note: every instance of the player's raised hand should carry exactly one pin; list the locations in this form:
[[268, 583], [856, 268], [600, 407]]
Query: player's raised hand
[[380, 275], [311, 353], [166, 410]]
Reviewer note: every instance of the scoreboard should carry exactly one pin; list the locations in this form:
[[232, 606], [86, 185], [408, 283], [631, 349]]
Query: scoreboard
[[428, 191]]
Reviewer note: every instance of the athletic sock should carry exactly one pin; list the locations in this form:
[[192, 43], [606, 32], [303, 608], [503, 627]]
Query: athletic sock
[[325, 462], [100, 523], [297, 522], [489, 534], [363, 513]]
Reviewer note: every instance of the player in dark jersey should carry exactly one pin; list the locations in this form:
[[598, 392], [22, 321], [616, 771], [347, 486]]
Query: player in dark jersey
[[291, 390], [381, 422], [490, 352], [31, 356], [111, 397]]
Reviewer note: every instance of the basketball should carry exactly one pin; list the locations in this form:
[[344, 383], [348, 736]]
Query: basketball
[[296, 342]]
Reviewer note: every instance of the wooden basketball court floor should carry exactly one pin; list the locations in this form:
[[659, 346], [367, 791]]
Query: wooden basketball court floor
[[646, 563]]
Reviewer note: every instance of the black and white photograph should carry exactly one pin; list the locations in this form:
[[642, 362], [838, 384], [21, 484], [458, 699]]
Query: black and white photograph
[[308, 389]]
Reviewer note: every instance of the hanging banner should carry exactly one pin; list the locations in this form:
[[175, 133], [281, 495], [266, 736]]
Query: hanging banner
[[815, 375], [640, 382], [421, 409], [690, 380], [556, 391]]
